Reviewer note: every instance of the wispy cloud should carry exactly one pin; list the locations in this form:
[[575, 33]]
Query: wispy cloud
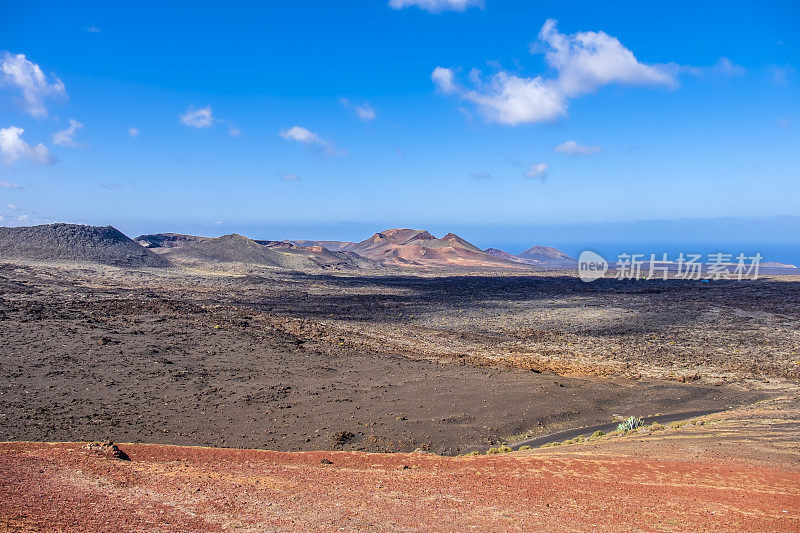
[[537, 171], [311, 140], [363, 111], [779, 75], [13, 148], [436, 6], [93, 29], [9, 185], [290, 177], [573, 148], [480, 175], [198, 118], [133, 132], [66, 137], [584, 62], [27, 76]]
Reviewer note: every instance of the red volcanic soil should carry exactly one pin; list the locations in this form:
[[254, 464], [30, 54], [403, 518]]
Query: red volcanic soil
[[691, 478]]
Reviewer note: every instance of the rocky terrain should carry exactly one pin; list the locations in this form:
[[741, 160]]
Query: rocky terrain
[[420, 344]]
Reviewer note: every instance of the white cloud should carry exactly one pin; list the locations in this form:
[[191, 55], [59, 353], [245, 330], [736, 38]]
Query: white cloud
[[539, 170], [9, 185], [511, 100], [13, 148], [437, 6], [573, 148], [310, 139], [67, 137], [365, 112], [583, 63], [300, 134], [290, 177], [12, 207], [93, 29], [586, 61], [443, 79], [19, 72], [198, 118], [133, 132], [233, 131]]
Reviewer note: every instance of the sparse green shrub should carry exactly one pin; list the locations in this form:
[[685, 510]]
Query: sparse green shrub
[[655, 426], [597, 434], [524, 448], [630, 423], [492, 451]]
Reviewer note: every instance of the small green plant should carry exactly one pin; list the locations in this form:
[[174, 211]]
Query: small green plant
[[597, 434], [501, 449], [630, 423], [523, 448]]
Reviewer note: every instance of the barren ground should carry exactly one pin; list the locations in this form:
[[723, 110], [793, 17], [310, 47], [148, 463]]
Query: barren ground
[[293, 362], [737, 472], [392, 363]]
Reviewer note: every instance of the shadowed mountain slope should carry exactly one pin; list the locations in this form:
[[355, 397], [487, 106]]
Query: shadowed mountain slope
[[73, 242]]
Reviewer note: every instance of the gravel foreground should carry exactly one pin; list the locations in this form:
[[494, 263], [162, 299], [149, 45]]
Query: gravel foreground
[[738, 471]]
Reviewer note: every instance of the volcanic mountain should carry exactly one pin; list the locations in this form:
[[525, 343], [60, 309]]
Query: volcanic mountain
[[235, 248], [418, 248], [73, 242], [168, 240], [334, 246], [541, 256], [548, 256]]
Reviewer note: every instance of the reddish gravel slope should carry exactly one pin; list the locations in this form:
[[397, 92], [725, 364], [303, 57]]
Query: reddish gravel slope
[[65, 487]]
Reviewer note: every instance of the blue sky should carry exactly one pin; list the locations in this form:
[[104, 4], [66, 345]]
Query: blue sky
[[333, 119]]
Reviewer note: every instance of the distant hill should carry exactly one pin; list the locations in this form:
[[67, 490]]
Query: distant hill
[[418, 248], [168, 240], [334, 246], [73, 242], [235, 248], [539, 256], [549, 256]]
